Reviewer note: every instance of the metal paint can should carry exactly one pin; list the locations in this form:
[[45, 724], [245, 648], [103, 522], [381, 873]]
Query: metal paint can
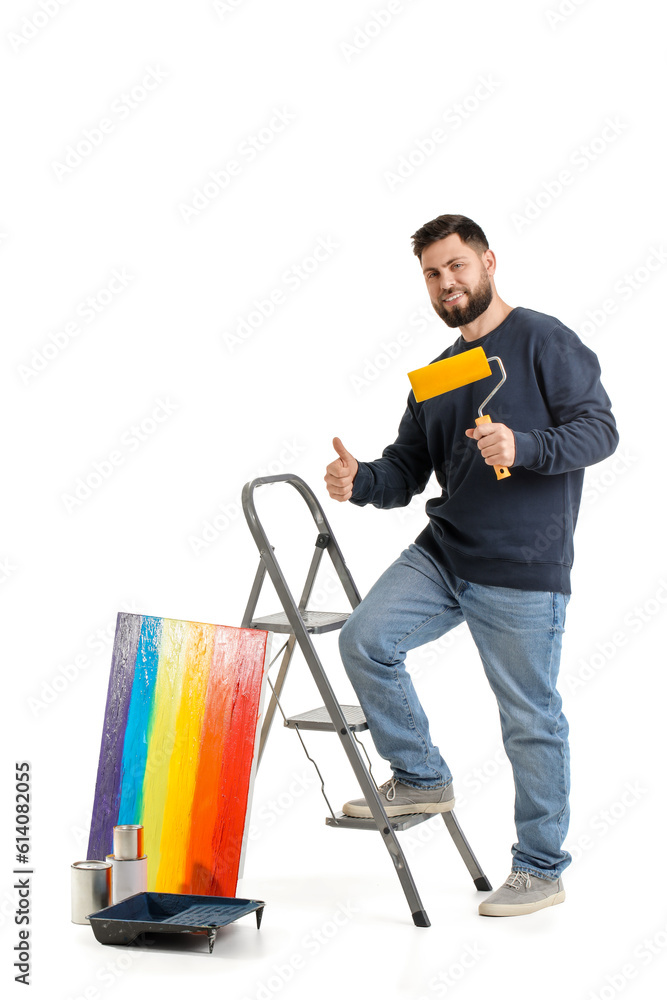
[[128, 842], [91, 888], [130, 875]]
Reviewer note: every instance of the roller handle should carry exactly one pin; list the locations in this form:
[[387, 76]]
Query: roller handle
[[501, 471]]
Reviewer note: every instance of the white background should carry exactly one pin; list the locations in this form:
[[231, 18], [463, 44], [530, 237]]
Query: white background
[[538, 90]]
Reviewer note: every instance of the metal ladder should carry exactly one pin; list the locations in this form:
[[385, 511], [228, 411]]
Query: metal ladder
[[346, 720]]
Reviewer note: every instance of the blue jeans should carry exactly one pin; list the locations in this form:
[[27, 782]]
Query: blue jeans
[[518, 637]]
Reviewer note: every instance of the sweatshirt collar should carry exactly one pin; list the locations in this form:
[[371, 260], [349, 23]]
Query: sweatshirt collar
[[464, 345]]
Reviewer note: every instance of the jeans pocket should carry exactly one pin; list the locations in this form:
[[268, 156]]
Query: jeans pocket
[[559, 604]]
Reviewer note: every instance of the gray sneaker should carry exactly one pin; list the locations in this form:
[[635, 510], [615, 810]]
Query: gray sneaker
[[399, 799], [522, 893]]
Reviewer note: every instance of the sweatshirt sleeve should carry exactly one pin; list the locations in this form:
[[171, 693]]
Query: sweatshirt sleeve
[[584, 430], [403, 470]]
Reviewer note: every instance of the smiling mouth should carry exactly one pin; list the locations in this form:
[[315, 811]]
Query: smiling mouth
[[455, 297]]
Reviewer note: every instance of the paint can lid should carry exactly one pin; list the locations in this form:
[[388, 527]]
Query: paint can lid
[[91, 864]]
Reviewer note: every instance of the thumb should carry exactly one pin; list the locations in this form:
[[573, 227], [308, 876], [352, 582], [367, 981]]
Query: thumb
[[342, 451]]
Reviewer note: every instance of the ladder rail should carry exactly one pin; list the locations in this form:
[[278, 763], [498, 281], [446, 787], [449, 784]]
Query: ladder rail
[[258, 533], [299, 633], [270, 709], [254, 594], [366, 783], [276, 689]]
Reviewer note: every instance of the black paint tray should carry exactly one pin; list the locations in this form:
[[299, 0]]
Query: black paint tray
[[171, 912]]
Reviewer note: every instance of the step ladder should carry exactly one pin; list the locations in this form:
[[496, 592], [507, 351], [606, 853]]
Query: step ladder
[[299, 624]]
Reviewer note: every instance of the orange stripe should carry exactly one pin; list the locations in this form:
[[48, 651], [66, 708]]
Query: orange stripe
[[227, 753]]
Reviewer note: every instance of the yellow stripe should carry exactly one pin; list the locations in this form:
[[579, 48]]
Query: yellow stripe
[[168, 687], [196, 659]]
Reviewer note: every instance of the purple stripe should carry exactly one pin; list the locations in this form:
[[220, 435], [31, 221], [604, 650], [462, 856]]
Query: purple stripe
[[107, 788]]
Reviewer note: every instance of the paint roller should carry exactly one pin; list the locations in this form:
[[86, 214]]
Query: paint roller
[[452, 373]]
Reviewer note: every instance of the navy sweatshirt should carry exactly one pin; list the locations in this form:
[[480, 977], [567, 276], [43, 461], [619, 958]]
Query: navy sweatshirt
[[514, 532]]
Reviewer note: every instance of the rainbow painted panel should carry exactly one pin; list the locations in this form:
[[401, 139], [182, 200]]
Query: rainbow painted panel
[[178, 748]]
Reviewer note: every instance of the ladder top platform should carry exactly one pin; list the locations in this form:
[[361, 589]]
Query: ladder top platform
[[316, 622]]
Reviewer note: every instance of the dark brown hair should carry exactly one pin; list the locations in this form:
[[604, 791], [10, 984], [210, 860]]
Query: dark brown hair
[[447, 225]]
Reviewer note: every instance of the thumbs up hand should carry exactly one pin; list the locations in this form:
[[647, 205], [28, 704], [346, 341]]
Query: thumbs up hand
[[341, 472]]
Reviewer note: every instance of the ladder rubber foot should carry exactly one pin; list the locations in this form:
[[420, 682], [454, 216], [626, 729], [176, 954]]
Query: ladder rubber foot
[[482, 884], [420, 918]]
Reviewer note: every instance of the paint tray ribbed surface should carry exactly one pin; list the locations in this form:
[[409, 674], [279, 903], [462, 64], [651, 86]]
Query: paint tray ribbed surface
[[172, 913]]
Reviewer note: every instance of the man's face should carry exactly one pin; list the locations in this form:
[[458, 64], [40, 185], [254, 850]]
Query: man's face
[[457, 281]]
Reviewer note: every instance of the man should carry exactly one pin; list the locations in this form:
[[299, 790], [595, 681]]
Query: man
[[496, 553]]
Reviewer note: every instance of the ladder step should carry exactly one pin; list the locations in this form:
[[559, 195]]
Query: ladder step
[[319, 718], [315, 621], [397, 822]]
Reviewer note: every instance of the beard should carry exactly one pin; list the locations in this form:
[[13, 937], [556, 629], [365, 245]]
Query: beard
[[475, 303]]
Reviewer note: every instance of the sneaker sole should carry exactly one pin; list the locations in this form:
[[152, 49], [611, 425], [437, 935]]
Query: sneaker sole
[[517, 909], [363, 812]]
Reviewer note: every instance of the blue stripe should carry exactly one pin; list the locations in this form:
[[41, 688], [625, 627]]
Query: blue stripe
[[135, 747]]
